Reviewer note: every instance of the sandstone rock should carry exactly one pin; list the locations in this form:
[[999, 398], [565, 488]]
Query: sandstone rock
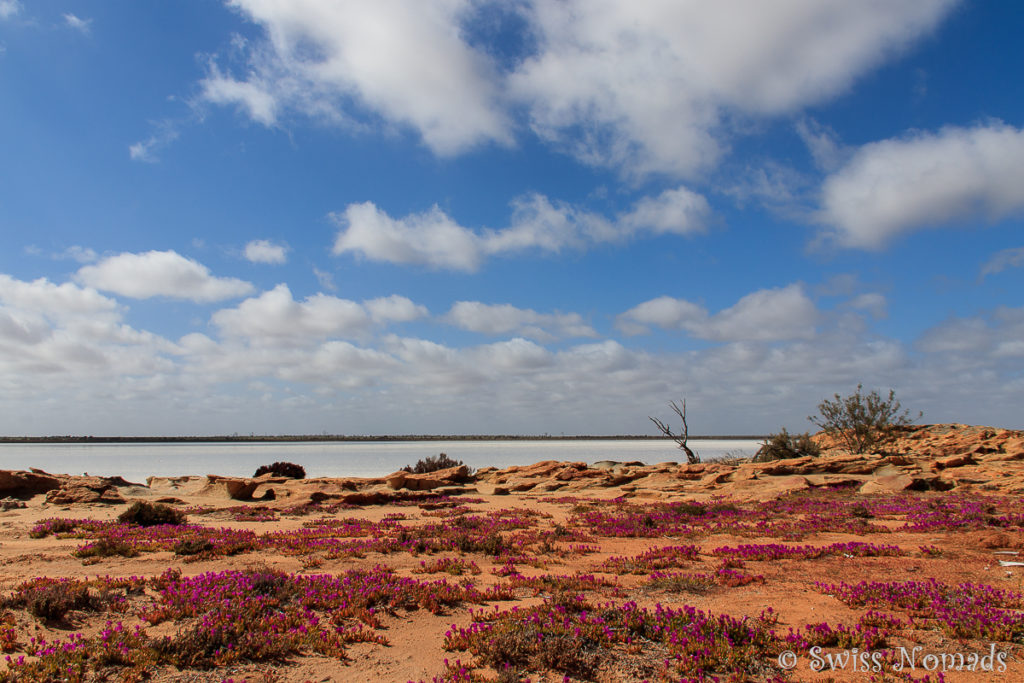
[[73, 493], [236, 488], [998, 539], [887, 484], [425, 482], [714, 478], [953, 461], [767, 488], [573, 474], [606, 464], [21, 483]]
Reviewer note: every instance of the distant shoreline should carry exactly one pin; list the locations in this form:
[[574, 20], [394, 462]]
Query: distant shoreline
[[354, 438]]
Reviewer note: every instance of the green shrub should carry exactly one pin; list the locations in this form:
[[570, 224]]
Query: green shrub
[[282, 469], [142, 513], [785, 445], [862, 423], [433, 464]]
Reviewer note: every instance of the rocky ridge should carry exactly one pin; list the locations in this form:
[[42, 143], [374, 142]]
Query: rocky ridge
[[946, 457]]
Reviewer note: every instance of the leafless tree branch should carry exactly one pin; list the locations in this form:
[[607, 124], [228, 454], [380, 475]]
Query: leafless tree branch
[[680, 439]]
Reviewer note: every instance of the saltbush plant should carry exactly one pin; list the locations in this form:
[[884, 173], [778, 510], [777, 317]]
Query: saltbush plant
[[282, 469], [141, 513], [433, 464], [863, 423], [785, 445]]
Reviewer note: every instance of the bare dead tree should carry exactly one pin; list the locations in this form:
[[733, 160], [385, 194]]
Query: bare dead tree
[[681, 438]]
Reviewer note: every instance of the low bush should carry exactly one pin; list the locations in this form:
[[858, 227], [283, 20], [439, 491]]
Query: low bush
[[282, 469], [142, 513], [51, 599], [433, 464], [193, 546], [785, 445]]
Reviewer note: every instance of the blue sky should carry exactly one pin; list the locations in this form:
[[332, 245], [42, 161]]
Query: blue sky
[[464, 216]]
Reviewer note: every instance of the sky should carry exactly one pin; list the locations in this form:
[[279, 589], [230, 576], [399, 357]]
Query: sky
[[514, 217]]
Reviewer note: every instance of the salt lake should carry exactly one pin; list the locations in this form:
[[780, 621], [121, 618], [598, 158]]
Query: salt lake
[[136, 461]]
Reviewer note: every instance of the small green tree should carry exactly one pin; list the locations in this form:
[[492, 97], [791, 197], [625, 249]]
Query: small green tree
[[862, 423]]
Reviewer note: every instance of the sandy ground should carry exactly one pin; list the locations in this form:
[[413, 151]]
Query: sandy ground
[[417, 637]]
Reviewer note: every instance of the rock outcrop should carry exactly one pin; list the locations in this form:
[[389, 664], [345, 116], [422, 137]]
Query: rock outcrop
[[949, 457]]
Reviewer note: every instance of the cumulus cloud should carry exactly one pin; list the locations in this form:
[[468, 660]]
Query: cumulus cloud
[[403, 60], [55, 301], [979, 338], [275, 315], [429, 238], [1001, 260], [298, 377], [925, 180], [500, 319], [651, 84], [764, 315], [434, 239], [648, 87], [394, 308], [49, 329], [160, 273], [265, 251]]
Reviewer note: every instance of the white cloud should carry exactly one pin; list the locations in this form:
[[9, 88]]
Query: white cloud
[[404, 60], [430, 238], [265, 251], [49, 329], [434, 239], [58, 302], [764, 315], [77, 23], [394, 308], [1001, 260], [160, 273], [500, 319], [646, 86], [252, 96], [68, 363], [8, 8], [652, 84], [274, 316], [927, 180], [975, 340]]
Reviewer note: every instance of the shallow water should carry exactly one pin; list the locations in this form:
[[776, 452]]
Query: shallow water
[[135, 461]]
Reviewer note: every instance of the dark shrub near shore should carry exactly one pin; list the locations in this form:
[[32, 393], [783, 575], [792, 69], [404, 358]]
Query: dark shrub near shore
[[433, 464], [785, 445], [282, 469], [142, 513]]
